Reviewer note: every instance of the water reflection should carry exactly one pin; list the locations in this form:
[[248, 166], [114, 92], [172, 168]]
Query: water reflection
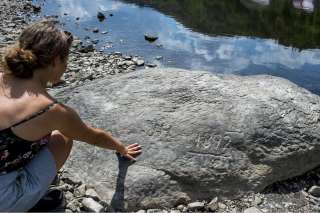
[[84, 9], [306, 5], [223, 36]]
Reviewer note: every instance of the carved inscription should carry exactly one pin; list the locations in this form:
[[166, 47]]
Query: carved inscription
[[212, 142]]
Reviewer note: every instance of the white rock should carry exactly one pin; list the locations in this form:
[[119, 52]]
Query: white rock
[[195, 206], [155, 211], [141, 211], [257, 201], [315, 191], [82, 189], [180, 207], [213, 205], [252, 210], [222, 205], [92, 193], [92, 205]]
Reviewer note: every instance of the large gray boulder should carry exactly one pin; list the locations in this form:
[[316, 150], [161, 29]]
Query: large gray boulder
[[204, 135]]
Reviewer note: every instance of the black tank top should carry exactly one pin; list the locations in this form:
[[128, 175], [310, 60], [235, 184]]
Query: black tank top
[[16, 152]]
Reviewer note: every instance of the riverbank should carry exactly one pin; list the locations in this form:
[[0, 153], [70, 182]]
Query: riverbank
[[87, 64]]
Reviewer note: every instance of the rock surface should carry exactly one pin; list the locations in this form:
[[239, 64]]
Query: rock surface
[[203, 135]]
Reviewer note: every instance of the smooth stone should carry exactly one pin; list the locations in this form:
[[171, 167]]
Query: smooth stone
[[257, 201], [206, 125], [91, 205], [213, 205], [180, 207], [252, 210], [95, 30], [222, 205], [82, 189], [315, 191], [92, 193], [150, 38], [101, 16], [195, 206], [155, 211], [151, 65]]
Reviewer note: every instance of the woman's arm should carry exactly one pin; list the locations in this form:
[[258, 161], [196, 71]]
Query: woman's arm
[[68, 122]]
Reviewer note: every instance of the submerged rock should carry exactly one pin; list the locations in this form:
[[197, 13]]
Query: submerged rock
[[204, 135], [150, 38], [101, 16]]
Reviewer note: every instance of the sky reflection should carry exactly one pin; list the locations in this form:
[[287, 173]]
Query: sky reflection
[[182, 47]]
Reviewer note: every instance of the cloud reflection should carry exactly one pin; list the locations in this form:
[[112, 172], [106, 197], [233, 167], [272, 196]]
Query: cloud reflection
[[234, 53], [195, 50], [85, 9]]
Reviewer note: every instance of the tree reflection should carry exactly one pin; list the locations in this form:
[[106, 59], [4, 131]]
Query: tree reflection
[[285, 21]]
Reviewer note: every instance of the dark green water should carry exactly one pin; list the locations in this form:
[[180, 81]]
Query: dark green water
[[245, 37]]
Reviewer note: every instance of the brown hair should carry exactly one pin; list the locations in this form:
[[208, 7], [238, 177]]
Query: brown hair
[[36, 48]]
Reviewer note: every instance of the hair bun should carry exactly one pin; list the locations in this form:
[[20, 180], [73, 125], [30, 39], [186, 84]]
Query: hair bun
[[20, 62]]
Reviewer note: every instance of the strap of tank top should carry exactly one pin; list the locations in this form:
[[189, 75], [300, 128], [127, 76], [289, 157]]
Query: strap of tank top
[[36, 114]]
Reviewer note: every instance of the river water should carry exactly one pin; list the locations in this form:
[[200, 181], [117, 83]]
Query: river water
[[244, 37]]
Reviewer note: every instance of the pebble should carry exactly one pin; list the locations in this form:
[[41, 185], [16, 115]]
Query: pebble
[[195, 206], [96, 41], [95, 30], [213, 205], [87, 49], [68, 211], [222, 205], [92, 205], [150, 38], [151, 65], [69, 196], [101, 16], [141, 211], [257, 201], [93, 194], [314, 191], [73, 205], [252, 210], [155, 211], [64, 187], [139, 62], [127, 57], [180, 207]]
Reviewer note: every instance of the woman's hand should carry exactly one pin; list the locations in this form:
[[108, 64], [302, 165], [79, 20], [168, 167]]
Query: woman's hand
[[130, 151]]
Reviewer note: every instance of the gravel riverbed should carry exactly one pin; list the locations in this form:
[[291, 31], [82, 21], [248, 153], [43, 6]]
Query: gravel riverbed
[[299, 194]]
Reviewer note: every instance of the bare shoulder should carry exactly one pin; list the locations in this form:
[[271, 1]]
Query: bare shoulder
[[67, 120]]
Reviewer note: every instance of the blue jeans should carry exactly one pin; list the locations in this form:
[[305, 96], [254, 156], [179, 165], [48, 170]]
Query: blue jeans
[[20, 190]]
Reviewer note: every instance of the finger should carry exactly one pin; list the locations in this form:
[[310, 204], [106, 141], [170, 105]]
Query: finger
[[135, 148], [130, 157], [136, 155], [134, 152], [132, 145]]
